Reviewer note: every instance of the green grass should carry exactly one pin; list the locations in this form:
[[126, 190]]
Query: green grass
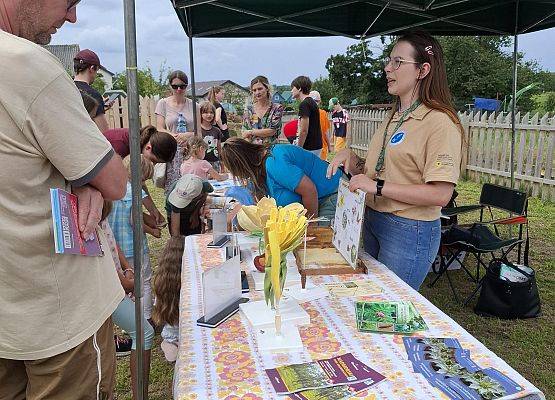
[[528, 345]]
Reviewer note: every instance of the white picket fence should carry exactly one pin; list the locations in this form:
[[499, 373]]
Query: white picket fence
[[487, 152]]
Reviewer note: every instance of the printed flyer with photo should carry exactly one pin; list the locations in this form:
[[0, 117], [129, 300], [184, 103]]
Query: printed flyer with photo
[[388, 317], [341, 370], [342, 392]]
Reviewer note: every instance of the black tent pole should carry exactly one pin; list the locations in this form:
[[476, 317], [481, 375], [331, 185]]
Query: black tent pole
[[513, 108], [137, 213]]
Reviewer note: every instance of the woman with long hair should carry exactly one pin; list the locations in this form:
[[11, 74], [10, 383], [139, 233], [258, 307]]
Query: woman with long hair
[[413, 161], [166, 285], [174, 115], [285, 172], [262, 118], [215, 96]]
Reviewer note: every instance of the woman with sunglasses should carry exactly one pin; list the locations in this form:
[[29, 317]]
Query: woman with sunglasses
[[413, 161], [262, 118], [170, 113]]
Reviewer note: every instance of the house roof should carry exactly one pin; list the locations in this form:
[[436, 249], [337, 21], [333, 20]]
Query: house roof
[[202, 88], [286, 94], [65, 53]]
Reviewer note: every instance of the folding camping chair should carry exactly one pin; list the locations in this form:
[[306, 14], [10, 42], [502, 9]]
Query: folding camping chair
[[446, 254], [477, 238]]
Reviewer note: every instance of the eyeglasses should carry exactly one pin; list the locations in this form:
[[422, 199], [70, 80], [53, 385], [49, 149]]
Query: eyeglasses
[[72, 3], [182, 87], [396, 62]]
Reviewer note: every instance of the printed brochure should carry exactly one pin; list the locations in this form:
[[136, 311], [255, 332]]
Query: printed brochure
[[341, 370], [389, 317], [67, 238], [342, 392], [448, 366]]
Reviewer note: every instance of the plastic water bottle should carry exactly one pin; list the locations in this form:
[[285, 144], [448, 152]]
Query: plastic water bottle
[[181, 124]]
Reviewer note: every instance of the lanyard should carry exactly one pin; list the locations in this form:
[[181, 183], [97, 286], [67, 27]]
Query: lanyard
[[381, 158]]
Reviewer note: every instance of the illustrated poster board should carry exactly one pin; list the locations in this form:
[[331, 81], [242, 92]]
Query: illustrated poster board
[[347, 225]]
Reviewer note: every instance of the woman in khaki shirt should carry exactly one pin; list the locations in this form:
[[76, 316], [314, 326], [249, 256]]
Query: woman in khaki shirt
[[413, 161]]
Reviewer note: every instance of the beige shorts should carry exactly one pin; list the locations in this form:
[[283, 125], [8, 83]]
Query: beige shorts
[[82, 373]]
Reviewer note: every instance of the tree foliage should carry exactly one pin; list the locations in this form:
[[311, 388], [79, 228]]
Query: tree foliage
[[476, 67], [99, 83], [544, 103], [480, 66], [327, 90], [147, 83], [358, 74]]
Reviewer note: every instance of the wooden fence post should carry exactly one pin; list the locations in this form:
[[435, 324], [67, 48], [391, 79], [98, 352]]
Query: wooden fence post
[[465, 142]]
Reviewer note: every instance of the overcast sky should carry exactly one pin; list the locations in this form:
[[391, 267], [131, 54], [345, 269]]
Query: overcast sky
[[160, 38]]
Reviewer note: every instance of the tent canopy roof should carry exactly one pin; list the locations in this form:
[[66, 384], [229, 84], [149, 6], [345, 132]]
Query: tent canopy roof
[[356, 19]]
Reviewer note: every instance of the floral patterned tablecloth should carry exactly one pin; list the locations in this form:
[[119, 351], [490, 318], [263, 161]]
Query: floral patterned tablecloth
[[224, 363]]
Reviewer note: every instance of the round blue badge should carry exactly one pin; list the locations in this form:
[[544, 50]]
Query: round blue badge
[[397, 138]]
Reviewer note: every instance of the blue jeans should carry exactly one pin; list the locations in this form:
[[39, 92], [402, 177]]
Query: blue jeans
[[407, 247]]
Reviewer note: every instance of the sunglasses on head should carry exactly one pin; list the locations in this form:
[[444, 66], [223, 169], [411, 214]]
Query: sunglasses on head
[[72, 3], [175, 87]]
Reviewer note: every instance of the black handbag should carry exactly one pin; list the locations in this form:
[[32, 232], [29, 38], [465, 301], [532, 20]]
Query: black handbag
[[506, 299]]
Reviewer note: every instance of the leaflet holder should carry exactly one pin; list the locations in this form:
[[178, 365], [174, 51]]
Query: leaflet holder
[[220, 234], [221, 291]]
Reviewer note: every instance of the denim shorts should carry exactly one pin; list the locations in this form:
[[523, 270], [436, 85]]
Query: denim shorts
[[407, 247], [326, 208]]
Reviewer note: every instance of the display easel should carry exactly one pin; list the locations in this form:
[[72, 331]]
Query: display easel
[[321, 238]]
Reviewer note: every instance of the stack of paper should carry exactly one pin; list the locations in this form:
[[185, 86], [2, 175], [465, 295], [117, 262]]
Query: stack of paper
[[362, 287]]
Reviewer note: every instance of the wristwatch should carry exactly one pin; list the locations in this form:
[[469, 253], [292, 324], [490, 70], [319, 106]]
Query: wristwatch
[[379, 186]]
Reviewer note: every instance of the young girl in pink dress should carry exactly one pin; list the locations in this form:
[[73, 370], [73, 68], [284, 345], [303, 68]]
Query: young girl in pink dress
[[194, 163]]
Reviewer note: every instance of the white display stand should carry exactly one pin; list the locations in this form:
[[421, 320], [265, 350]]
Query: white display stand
[[292, 278], [289, 340], [261, 316]]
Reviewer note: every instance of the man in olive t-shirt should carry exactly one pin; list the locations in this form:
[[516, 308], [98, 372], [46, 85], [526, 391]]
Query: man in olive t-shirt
[[56, 337]]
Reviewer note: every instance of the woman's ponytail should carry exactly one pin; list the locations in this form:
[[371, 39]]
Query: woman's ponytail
[[146, 134]]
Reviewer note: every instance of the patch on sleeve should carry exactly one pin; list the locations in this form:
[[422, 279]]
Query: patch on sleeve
[[445, 160]]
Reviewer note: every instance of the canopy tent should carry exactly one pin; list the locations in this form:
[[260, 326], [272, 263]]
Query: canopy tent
[[350, 18], [358, 19]]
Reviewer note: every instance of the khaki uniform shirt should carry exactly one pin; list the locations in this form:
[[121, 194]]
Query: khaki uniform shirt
[[49, 303], [426, 148]]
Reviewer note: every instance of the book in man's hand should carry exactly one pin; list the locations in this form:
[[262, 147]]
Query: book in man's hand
[[67, 238]]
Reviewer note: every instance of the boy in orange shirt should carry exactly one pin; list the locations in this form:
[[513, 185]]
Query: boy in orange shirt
[[324, 126]]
